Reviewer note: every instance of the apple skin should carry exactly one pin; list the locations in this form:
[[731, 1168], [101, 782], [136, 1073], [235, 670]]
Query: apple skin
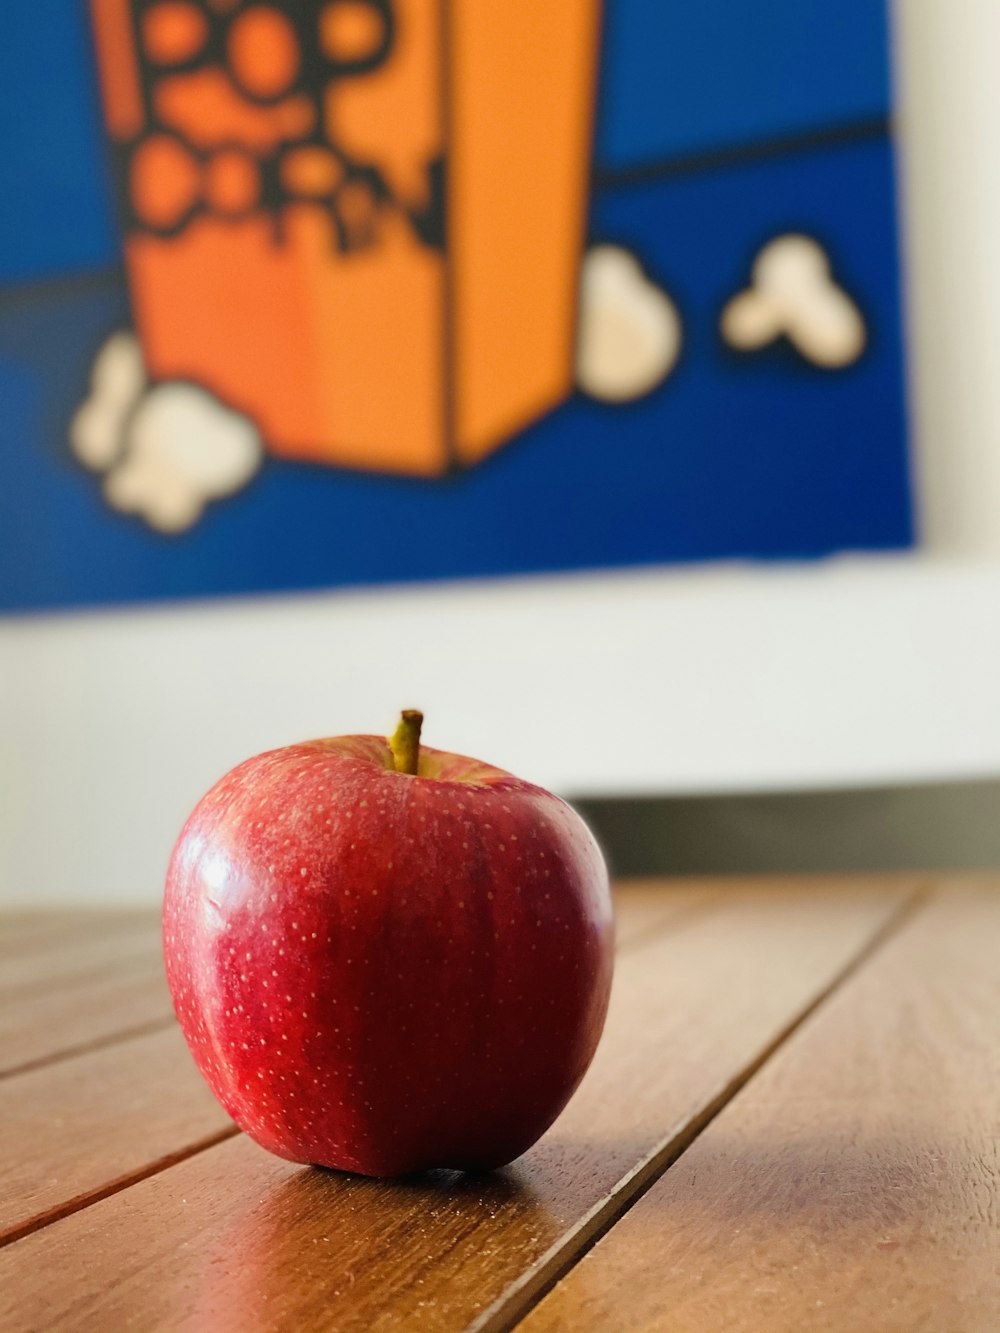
[[385, 973]]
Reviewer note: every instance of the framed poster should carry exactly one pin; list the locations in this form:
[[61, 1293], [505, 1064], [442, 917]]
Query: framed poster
[[321, 293]]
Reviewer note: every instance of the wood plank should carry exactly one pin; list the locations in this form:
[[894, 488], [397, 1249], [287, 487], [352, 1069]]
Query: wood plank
[[132, 1126], [854, 1184], [87, 954], [27, 935], [80, 1013], [67, 997], [112, 983], [233, 1239], [72, 1131], [28, 932], [643, 907]]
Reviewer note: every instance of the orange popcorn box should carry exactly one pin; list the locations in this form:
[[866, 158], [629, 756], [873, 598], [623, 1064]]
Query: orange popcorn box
[[359, 222]]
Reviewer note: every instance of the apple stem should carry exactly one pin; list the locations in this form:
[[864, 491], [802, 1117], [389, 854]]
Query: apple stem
[[405, 741]]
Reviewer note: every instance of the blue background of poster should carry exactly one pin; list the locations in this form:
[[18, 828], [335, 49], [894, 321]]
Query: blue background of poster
[[716, 131]]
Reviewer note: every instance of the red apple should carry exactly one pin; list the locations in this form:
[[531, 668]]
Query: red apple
[[385, 957]]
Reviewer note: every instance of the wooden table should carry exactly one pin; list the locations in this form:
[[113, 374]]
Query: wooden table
[[793, 1123]]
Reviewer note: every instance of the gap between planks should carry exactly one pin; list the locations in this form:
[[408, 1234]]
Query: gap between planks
[[115, 1038], [854, 1184], [647, 910], [71, 1206], [635, 900], [827, 938], [517, 1302], [78, 984]]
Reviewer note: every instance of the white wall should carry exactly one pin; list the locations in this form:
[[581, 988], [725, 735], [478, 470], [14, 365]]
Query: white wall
[[853, 671], [112, 724]]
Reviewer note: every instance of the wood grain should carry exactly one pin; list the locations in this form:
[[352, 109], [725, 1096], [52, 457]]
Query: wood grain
[[140, 1104], [81, 1012], [854, 1184], [643, 907], [23, 933], [85, 979], [83, 956], [235, 1241], [77, 1129], [78, 980]]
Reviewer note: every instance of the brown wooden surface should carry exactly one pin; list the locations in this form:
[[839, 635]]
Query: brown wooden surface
[[23, 932], [73, 980], [81, 956], [644, 906], [77, 1128], [78, 1013], [70, 981], [234, 1241], [853, 1185]]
